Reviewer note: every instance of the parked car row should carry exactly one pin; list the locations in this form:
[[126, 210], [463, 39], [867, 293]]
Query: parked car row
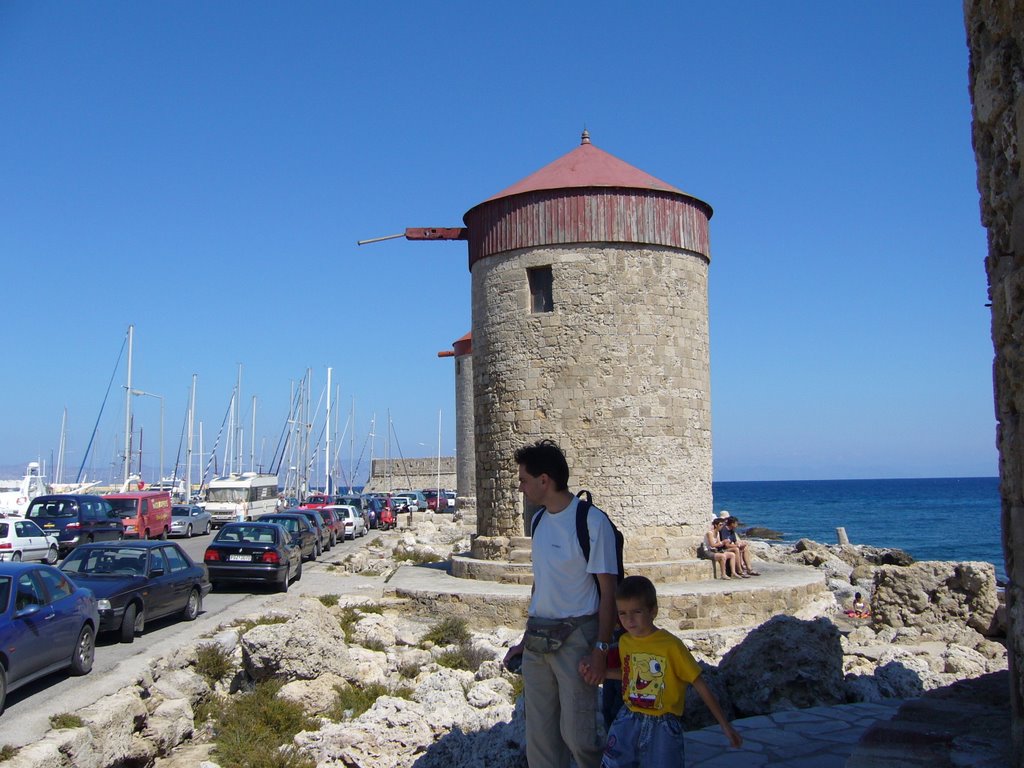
[[49, 617]]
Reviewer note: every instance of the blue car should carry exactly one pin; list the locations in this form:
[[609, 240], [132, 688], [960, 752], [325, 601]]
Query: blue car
[[47, 623]]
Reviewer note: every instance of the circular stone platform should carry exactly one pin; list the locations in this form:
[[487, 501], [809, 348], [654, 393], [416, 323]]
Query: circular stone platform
[[683, 604]]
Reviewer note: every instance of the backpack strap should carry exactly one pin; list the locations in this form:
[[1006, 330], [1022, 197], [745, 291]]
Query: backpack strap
[[582, 530]]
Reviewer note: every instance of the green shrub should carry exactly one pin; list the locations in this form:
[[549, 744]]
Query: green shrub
[[7, 752], [409, 670], [351, 614], [518, 687], [329, 600], [250, 730], [463, 656], [415, 557], [449, 631], [351, 701], [246, 624], [213, 662], [207, 709], [375, 644], [66, 720], [377, 542]]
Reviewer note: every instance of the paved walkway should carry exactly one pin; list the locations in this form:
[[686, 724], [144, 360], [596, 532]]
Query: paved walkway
[[965, 725], [818, 737]]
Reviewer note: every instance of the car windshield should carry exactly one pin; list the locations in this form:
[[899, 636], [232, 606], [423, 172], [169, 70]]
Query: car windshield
[[118, 561], [246, 534], [126, 506], [5, 591], [290, 524], [231, 495], [58, 508], [181, 511]]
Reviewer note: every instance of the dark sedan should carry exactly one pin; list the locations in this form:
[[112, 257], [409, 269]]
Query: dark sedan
[[317, 521], [138, 581], [303, 534], [259, 551], [47, 623]]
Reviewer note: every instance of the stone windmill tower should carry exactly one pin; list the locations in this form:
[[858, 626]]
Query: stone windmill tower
[[590, 327]]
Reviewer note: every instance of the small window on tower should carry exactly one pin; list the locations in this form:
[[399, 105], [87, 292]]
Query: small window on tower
[[540, 289]]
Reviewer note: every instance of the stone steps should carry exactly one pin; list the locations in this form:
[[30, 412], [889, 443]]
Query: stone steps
[[684, 605]]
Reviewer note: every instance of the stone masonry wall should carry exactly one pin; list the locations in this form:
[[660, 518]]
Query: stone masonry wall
[[995, 36], [410, 474], [617, 374], [465, 442]]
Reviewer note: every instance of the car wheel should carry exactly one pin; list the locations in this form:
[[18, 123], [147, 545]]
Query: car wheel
[[128, 624], [16, 557], [207, 531], [316, 550], [3, 687], [298, 573], [283, 586], [51, 556], [163, 535], [85, 651], [145, 535], [188, 531], [193, 606]]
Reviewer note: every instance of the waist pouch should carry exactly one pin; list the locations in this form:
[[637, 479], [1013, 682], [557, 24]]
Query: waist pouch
[[547, 635]]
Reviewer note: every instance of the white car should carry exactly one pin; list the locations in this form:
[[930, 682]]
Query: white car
[[355, 523], [22, 539]]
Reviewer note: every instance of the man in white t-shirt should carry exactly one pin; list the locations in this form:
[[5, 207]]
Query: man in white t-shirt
[[561, 706]]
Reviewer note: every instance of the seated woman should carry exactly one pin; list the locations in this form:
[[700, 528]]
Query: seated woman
[[716, 550], [734, 544], [859, 609]]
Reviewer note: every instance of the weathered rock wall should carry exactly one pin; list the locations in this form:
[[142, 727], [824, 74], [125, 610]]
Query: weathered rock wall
[[995, 36]]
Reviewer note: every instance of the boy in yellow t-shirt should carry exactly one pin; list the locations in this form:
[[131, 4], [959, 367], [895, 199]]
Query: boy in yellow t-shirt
[[656, 668]]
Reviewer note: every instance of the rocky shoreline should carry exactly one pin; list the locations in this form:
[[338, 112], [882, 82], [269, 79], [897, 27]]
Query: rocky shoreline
[[931, 625]]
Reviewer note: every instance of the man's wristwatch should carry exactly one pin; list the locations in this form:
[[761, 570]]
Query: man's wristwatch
[[599, 646]]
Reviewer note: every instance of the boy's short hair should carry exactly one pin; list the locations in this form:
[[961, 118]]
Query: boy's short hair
[[638, 588], [544, 457]]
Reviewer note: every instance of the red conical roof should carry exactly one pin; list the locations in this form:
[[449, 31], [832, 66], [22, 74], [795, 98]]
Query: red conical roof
[[587, 166]]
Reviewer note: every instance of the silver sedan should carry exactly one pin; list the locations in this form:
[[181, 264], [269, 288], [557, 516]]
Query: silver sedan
[[188, 519]]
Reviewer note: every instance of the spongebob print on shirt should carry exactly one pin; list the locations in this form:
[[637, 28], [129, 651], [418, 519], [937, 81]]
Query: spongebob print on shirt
[[645, 676], [656, 670]]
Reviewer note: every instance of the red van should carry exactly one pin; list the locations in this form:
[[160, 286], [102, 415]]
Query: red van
[[146, 514]]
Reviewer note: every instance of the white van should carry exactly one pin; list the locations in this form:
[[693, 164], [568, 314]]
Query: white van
[[239, 498]]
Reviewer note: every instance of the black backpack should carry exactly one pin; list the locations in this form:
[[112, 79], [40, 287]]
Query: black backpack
[[583, 533]]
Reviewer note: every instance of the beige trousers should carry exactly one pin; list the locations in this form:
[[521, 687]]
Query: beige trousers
[[561, 709]]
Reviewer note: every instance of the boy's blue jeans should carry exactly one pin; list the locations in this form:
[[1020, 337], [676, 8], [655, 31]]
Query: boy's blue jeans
[[650, 741]]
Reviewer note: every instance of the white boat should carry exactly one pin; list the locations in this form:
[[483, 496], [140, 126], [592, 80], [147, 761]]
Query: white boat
[[15, 495]]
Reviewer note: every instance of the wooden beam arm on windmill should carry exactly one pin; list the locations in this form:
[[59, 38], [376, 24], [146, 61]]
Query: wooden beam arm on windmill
[[423, 233]]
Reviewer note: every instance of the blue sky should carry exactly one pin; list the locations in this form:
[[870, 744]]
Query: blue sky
[[203, 171]]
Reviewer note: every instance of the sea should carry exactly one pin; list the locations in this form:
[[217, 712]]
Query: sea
[[945, 518]]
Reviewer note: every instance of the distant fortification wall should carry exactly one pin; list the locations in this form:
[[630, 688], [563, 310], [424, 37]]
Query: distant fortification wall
[[995, 37], [411, 474]]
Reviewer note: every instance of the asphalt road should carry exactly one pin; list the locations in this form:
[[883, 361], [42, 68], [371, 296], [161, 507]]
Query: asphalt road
[[27, 712]]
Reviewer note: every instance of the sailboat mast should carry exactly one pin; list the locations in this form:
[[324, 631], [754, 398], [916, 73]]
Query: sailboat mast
[[328, 489], [128, 410], [252, 438], [59, 473], [188, 448], [352, 446]]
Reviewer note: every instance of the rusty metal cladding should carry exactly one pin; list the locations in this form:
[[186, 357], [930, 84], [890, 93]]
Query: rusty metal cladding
[[588, 215]]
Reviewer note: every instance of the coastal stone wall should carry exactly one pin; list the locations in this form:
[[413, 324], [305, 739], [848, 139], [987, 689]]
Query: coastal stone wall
[[410, 474], [995, 36], [617, 373]]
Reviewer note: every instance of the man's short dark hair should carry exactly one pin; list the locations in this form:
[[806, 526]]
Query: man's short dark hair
[[638, 588], [544, 457]]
